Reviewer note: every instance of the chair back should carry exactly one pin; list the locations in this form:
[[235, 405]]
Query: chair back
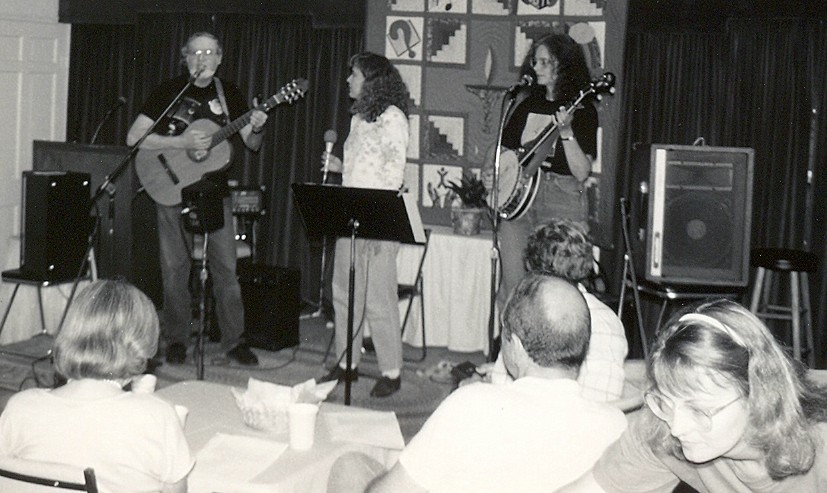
[[29, 476], [414, 287], [411, 291]]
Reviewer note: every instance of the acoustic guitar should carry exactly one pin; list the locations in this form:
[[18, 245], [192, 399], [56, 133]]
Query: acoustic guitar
[[520, 169], [164, 172]]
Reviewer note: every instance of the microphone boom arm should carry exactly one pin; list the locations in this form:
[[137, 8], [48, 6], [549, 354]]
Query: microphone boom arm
[[106, 185]]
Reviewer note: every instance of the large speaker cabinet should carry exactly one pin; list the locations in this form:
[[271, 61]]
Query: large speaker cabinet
[[691, 214], [127, 243], [56, 224]]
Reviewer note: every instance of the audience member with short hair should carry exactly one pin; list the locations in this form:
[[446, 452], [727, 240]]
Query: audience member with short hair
[[562, 248], [727, 410], [134, 441], [536, 434]]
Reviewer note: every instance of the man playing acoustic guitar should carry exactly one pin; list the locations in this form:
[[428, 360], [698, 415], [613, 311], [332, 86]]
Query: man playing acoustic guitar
[[218, 102], [565, 158]]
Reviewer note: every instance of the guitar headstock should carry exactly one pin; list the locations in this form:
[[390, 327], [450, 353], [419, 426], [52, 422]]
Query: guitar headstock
[[294, 90], [290, 92]]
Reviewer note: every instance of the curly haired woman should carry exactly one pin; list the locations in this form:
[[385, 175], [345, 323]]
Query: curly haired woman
[[374, 157], [558, 65]]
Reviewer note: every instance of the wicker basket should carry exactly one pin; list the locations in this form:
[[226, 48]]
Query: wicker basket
[[261, 417], [274, 420]]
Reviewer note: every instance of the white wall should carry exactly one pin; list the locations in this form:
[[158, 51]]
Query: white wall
[[34, 73]]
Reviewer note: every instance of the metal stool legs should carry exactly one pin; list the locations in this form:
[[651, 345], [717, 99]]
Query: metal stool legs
[[798, 312]]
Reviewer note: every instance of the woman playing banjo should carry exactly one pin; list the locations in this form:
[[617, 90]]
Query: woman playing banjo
[[565, 158]]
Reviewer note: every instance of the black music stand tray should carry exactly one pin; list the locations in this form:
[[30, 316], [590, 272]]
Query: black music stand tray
[[332, 210]]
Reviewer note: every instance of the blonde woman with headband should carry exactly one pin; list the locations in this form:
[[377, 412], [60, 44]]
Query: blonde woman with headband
[[727, 410]]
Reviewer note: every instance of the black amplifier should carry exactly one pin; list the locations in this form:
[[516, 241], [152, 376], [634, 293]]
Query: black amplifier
[[247, 200], [271, 305]]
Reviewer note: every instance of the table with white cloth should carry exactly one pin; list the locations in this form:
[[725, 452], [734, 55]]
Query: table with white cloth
[[456, 287], [213, 415]]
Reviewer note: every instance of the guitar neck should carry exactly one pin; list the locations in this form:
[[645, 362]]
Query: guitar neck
[[550, 131], [289, 92], [228, 131]]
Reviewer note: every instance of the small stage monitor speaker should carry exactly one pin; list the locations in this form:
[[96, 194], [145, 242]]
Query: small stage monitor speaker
[[56, 223], [691, 214], [272, 302]]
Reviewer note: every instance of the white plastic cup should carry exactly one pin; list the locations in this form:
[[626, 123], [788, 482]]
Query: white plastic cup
[[302, 419], [182, 413], [144, 384]]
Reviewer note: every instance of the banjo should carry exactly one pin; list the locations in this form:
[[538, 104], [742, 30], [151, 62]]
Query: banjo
[[520, 169]]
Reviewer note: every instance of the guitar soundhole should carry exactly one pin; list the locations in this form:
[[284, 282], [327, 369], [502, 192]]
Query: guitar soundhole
[[198, 155]]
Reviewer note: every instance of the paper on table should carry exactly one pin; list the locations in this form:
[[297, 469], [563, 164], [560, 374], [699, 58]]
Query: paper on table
[[241, 458], [377, 428]]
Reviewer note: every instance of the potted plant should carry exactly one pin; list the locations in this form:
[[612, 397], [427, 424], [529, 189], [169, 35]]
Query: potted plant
[[468, 204]]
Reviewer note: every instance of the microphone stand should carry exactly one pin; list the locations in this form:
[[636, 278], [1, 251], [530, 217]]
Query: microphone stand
[[107, 186], [495, 222], [105, 119], [320, 307]]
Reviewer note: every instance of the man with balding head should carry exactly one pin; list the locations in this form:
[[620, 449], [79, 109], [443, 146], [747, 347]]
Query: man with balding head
[[536, 434], [563, 248]]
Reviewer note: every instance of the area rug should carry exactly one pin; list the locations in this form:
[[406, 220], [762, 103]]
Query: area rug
[[27, 364]]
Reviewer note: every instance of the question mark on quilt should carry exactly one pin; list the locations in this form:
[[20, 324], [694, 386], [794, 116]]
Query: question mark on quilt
[[402, 29]]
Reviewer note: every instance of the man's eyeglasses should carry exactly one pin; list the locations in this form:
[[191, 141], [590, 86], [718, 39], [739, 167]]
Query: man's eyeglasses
[[664, 408], [204, 53]]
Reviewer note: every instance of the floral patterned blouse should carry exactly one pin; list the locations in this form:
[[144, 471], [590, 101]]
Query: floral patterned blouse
[[374, 152]]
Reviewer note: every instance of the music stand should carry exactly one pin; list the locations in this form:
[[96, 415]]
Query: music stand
[[331, 210]]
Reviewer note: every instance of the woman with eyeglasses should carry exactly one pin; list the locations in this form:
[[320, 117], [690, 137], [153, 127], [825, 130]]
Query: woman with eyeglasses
[[727, 410], [557, 65]]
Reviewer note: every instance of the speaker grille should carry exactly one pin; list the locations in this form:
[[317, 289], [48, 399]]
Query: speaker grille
[[698, 230], [698, 206]]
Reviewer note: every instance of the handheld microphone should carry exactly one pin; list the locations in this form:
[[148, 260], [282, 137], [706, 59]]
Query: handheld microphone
[[329, 139], [525, 81], [120, 102]]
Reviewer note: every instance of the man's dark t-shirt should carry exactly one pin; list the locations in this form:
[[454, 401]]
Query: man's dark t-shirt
[[197, 103]]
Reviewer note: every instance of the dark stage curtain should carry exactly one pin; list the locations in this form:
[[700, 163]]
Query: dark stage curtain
[[752, 85], [101, 68], [261, 54]]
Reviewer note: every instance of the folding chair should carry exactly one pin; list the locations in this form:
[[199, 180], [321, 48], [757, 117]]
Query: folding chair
[[19, 277], [411, 291], [28, 476]]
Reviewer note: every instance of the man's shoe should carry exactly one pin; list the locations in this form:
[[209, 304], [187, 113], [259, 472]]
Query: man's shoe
[[242, 355], [338, 373], [176, 353], [386, 386]]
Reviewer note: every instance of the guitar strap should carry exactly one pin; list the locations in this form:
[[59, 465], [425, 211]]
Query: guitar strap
[[219, 88]]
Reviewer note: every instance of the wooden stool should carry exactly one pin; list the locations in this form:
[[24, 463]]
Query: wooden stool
[[798, 264]]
